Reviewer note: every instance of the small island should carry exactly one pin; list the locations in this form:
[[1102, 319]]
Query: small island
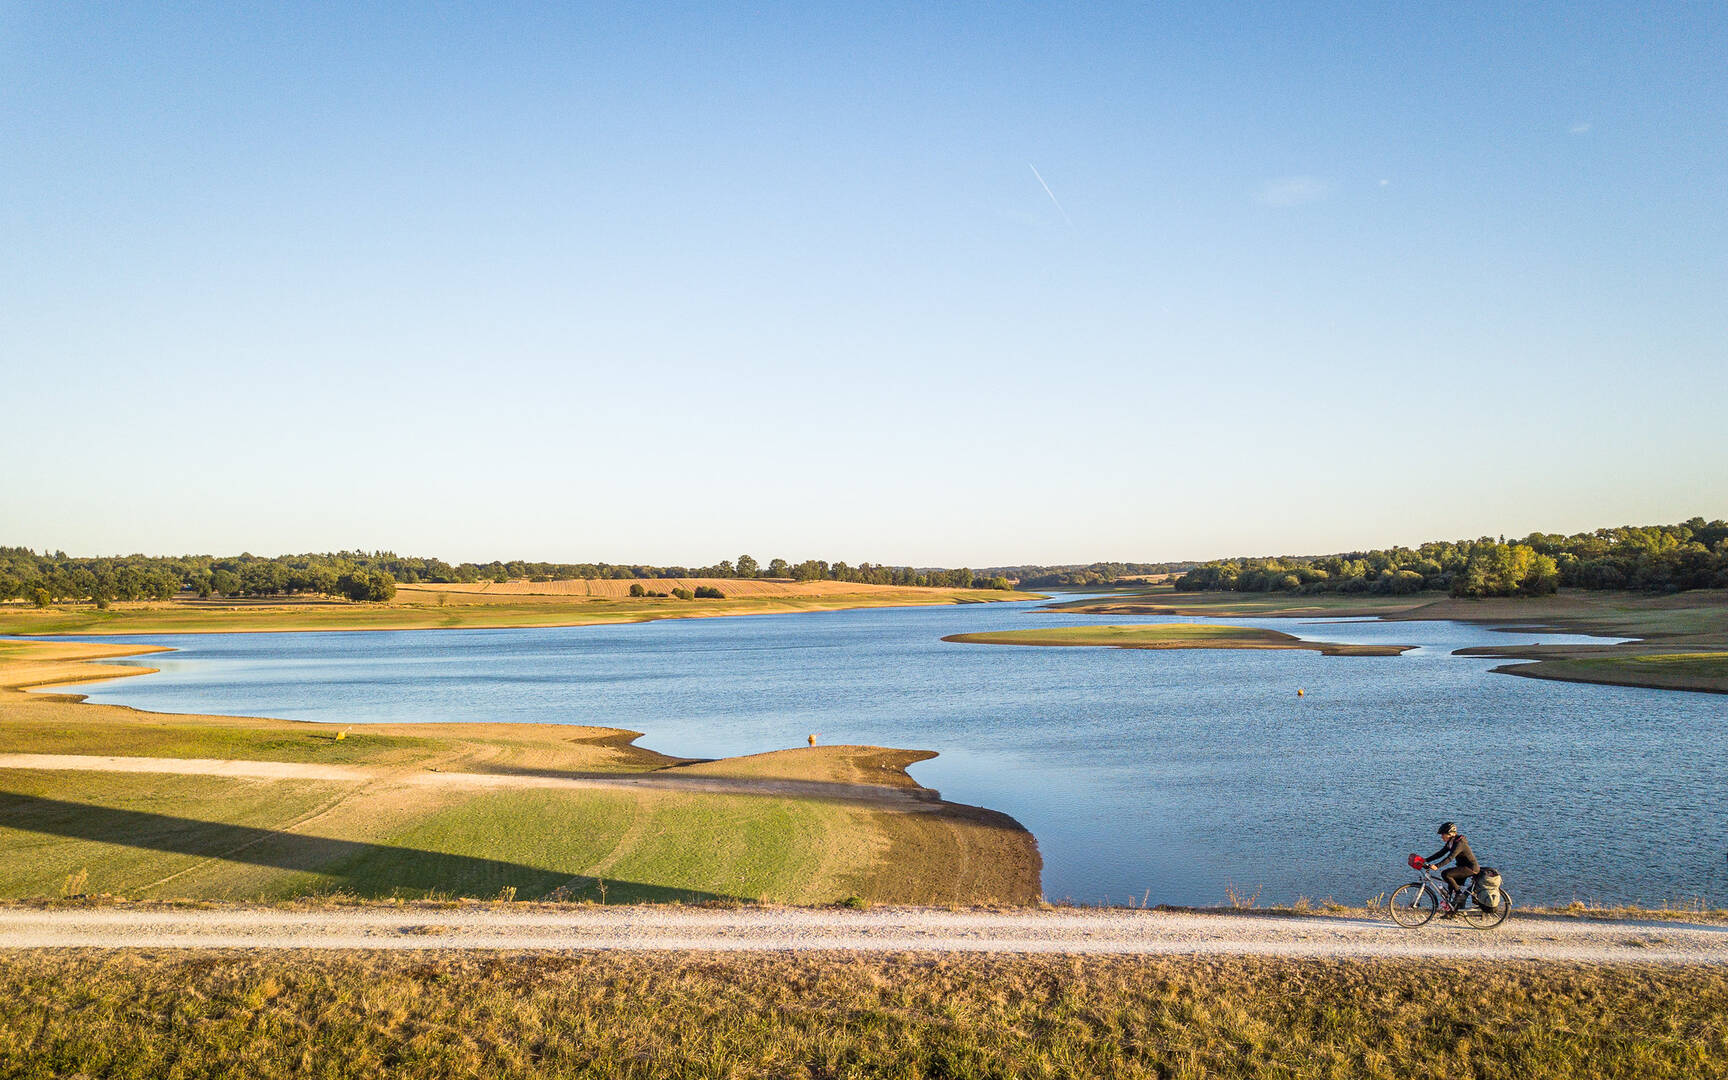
[[1173, 636]]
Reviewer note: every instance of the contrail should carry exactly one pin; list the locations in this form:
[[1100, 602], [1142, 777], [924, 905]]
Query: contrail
[[1050, 193]]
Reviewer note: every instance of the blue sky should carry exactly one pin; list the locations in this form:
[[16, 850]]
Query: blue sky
[[490, 281]]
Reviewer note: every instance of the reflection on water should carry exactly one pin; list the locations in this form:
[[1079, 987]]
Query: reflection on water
[[1168, 774]]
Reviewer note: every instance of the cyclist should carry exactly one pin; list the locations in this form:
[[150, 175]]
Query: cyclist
[[1456, 851]]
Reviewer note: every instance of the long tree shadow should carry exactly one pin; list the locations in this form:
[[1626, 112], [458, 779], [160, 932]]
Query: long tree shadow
[[353, 866]]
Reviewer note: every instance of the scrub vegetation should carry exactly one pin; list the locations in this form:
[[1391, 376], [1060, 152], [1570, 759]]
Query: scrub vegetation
[[429, 1014], [1171, 636]]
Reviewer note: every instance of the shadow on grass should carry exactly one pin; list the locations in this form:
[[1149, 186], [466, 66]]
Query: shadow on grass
[[353, 866]]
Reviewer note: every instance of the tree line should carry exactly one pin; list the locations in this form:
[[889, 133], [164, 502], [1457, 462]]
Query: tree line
[[47, 578], [1648, 558]]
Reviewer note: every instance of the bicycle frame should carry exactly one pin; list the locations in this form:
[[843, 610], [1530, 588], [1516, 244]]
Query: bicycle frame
[[1436, 885]]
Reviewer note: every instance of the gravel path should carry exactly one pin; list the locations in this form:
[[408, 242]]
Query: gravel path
[[890, 929]]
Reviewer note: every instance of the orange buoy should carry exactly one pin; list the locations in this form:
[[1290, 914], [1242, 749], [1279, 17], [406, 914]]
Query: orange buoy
[[813, 738], [1299, 693]]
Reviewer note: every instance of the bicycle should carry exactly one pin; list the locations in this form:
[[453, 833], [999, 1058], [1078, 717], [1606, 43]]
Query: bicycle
[[1415, 904]]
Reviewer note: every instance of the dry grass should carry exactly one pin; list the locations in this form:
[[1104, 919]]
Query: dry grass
[[499, 1016], [824, 764]]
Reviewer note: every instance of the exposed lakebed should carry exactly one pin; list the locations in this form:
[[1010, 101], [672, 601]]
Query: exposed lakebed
[[1172, 775]]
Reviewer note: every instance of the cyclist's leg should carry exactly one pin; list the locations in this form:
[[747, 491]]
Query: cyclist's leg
[[1456, 878]]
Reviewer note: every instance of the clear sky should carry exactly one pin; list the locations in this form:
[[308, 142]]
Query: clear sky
[[665, 283]]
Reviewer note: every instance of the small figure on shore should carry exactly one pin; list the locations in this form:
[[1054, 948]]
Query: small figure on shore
[[813, 735]]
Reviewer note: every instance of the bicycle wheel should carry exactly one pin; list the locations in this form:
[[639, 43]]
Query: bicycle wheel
[[1480, 918], [1412, 905]]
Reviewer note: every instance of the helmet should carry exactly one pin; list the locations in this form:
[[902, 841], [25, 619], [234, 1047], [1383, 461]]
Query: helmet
[[1447, 829]]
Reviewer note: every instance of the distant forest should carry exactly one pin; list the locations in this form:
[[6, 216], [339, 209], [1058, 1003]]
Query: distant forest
[[358, 575], [1647, 558], [1099, 573]]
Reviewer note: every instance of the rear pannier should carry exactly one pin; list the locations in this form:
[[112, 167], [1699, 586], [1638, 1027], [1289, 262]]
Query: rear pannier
[[1488, 888]]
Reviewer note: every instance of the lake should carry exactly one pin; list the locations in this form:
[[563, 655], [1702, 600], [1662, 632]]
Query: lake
[[1170, 776]]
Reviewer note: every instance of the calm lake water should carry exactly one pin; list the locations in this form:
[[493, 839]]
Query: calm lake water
[[1171, 775]]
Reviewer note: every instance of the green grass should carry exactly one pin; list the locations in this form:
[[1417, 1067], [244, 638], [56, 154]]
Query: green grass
[[218, 838], [213, 1014], [53, 825], [1169, 636], [166, 736], [1676, 671], [621, 848]]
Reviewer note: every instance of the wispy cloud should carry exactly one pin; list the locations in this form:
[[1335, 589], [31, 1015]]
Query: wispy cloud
[[1582, 127], [1293, 191]]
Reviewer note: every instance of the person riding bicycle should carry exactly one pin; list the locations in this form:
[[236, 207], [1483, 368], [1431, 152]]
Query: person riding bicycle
[[1456, 851]]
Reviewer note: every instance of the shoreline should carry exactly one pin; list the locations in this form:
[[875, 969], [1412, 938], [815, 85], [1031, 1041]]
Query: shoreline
[[899, 840], [1170, 636], [1534, 669], [1667, 627]]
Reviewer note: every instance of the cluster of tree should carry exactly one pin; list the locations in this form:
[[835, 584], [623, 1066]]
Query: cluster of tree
[[1098, 573], [47, 578], [51, 577], [1650, 558]]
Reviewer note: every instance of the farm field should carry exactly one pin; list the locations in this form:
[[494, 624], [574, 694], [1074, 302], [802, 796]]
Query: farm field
[[214, 1013], [1170, 636], [1681, 639], [483, 604], [248, 808]]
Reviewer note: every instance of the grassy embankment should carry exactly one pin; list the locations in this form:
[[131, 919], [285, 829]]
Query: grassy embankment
[[155, 835], [1682, 639], [484, 604], [1171, 636], [220, 1014]]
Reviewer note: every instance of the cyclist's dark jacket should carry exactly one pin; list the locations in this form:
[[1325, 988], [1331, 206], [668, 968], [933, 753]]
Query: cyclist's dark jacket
[[1457, 848]]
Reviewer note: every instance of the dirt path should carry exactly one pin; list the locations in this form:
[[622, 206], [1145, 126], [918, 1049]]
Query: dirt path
[[907, 798], [895, 929]]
